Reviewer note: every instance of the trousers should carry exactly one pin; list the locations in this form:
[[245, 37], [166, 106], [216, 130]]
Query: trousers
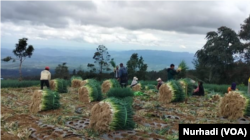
[[46, 82]]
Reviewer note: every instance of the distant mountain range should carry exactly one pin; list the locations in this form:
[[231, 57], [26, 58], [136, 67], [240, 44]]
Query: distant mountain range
[[156, 60]]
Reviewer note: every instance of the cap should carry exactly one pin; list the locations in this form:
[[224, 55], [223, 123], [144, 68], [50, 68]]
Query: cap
[[47, 68]]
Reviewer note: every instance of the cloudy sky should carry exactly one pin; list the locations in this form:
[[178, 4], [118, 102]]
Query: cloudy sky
[[179, 26]]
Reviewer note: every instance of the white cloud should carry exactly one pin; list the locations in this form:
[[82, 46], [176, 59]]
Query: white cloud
[[136, 25], [182, 46], [146, 39]]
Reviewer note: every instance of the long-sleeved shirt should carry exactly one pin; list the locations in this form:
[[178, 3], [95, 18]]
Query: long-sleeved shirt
[[45, 75], [133, 82]]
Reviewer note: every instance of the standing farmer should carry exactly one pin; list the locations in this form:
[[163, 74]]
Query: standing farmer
[[45, 77], [172, 72], [123, 76]]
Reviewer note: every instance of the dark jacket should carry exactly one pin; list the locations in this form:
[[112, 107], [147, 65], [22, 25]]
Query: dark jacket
[[201, 90], [171, 73], [123, 75]]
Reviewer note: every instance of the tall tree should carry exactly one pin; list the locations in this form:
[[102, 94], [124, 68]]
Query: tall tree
[[102, 59], [136, 67], [62, 71], [21, 51], [142, 69], [245, 29], [219, 52], [244, 34]]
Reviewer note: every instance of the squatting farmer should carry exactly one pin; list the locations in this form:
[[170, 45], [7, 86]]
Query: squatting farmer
[[45, 77], [160, 82]]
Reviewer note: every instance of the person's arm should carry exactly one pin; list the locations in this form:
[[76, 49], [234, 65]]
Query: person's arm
[[173, 72], [197, 89]]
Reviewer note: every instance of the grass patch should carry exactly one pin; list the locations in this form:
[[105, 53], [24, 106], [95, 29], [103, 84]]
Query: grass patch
[[19, 84]]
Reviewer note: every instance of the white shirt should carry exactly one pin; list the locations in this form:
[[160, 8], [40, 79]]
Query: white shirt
[[133, 82], [45, 75]]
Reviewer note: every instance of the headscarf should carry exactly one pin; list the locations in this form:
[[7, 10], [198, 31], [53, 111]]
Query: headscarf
[[233, 86]]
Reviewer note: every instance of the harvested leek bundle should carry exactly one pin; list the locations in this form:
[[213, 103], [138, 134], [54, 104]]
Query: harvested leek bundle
[[129, 100], [76, 77], [137, 87], [88, 93], [150, 86], [187, 86], [76, 81], [171, 92], [58, 85], [125, 94], [182, 66], [120, 92], [96, 84], [108, 84], [111, 114], [44, 100], [234, 105], [87, 81]]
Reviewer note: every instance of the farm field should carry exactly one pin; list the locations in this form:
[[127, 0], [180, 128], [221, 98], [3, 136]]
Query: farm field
[[70, 122]]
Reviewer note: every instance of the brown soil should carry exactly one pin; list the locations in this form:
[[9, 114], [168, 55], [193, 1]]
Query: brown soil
[[187, 112]]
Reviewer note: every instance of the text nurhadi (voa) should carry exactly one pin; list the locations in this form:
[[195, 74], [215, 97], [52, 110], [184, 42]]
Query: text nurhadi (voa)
[[187, 131]]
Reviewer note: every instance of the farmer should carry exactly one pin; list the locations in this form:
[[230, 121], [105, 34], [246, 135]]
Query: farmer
[[172, 72], [134, 82], [232, 88], [123, 76], [116, 70], [199, 90], [160, 82], [45, 77]]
